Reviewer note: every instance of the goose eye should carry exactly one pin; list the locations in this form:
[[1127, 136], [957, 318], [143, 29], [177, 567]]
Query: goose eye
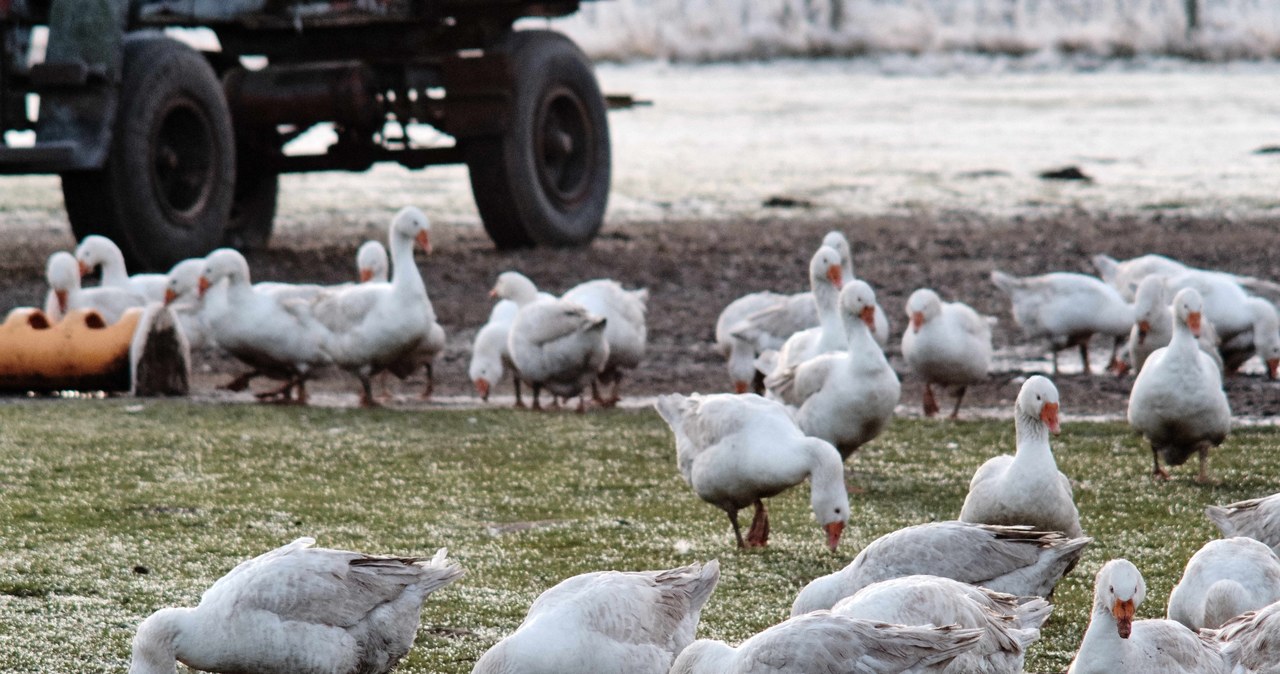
[[837, 511]]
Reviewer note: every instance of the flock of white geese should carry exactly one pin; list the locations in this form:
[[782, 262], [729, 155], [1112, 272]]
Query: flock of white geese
[[958, 596]]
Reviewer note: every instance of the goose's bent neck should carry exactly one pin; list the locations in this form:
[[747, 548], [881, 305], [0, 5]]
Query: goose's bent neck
[[156, 645], [405, 276]]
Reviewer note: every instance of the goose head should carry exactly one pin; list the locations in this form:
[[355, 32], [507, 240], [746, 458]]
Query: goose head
[[223, 263], [923, 306], [371, 262], [412, 224], [824, 271], [858, 303], [1266, 333], [96, 250], [828, 496], [63, 274], [1118, 592], [514, 286], [183, 280], [1037, 404], [1149, 305], [837, 242], [1187, 309]]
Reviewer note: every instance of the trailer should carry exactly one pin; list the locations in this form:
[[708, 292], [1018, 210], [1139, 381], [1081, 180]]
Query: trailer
[[172, 150]]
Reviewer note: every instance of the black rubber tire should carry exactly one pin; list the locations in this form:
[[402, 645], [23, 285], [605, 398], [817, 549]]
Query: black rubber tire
[[165, 191], [253, 209], [545, 180]]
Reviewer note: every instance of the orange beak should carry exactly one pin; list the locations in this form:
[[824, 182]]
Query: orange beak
[[202, 286], [169, 296], [366, 275], [1144, 327], [868, 316], [1123, 611], [1272, 365], [482, 387], [425, 241], [833, 534], [917, 320], [1193, 322], [84, 268], [61, 296], [1049, 415], [493, 293], [740, 387], [835, 276]]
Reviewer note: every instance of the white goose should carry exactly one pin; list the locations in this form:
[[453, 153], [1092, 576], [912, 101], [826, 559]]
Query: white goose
[[1262, 339], [609, 621], [946, 343], [1125, 276], [624, 329], [371, 262], [1251, 642], [1177, 401], [1013, 560], [63, 274], [826, 643], [1224, 579], [1153, 326], [1026, 488], [554, 344], [182, 295], [297, 610], [1067, 309], [490, 358], [376, 326], [98, 251], [1009, 624], [278, 338], [1257, 518], [735, 450], [1115, 642], [847, 397], [880, 324], [826, 280], [756, 323]]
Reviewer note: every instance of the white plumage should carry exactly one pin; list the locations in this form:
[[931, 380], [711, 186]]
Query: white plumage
[[609, 621], [297, 610], [945, 343], [1257, 518], [624, 329], [825, 278], [1224, 579], [1026, 488], [1067, 309], [97, 251], [65, 294]]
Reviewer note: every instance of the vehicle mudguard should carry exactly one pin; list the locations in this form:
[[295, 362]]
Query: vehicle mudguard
[[79, 80]]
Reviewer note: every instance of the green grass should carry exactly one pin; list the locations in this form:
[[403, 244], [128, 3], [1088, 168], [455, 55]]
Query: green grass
[[94, 492]]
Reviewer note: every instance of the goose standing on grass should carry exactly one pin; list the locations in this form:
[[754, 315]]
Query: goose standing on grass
[[1026, 488], [826, 279], [1009, 624], [183, 296], [1224, 579], [946, 343], [298, 610], [1012, 560], [1115, 642], [97, 251], [375, 326], [735, 450], [826, 643], [63, 274], [1153, 325], [609, 621], [1257, 518], [846, 397], [1177, 401], [624, 329], [371, 262], [278, 338], [554, 344], [838, 242], [1251, 643], [1067, 309]]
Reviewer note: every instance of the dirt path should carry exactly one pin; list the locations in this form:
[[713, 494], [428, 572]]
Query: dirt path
[[693, 269]]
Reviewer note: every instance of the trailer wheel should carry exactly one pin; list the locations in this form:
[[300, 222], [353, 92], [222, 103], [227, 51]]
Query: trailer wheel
[[545, 180], [166, 188]]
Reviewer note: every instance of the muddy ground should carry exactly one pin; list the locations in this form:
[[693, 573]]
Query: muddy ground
[[693, 269]]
